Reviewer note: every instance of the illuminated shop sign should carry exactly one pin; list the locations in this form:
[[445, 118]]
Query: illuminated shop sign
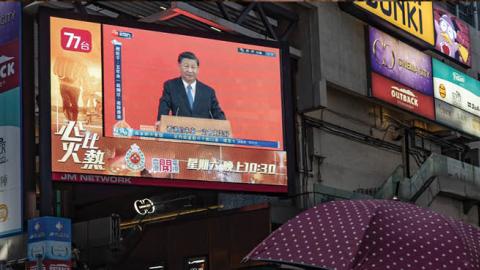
[[402, 96], [456, 88], [456, 118], [144, 206], [452, 36], [400, 62], [413, 17]]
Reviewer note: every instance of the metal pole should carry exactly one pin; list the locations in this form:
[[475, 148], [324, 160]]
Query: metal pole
[[407, 153], [405, 159], [39, 262], [46, 186], [475, 15]]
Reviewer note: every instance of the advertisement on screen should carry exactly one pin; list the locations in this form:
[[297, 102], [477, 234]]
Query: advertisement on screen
[[187, 111], [401, 96], [10, 119], [400, 62], [452, 36], [456, 118], [456, 88], [413, 17]]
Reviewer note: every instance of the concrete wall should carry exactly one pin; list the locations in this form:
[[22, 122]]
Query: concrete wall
[[350, 164], [475, 50], [342, 48], [331, 69], [454, 208], [341, 64], [333, 51]]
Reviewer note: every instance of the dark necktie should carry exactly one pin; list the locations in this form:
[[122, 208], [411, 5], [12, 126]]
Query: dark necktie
[[190, 95]]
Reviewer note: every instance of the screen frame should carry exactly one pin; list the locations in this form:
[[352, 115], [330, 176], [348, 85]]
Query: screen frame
[[287, 99]]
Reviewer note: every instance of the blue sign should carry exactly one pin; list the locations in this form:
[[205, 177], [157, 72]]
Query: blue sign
[[50, 238], [10, 13], [49, 250], [49, 228]]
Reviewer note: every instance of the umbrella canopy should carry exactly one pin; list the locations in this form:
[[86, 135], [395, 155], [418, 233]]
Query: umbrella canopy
[[372, 234]]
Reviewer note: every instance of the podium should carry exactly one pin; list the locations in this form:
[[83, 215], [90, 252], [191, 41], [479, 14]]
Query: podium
[[195, 126], [189, 129]]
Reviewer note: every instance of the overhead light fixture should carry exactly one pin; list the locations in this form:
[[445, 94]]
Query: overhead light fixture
[[197, 261], [216, 29], [156, 267]]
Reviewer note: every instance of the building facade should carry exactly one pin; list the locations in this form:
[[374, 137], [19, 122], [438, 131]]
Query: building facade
[[347, 144]]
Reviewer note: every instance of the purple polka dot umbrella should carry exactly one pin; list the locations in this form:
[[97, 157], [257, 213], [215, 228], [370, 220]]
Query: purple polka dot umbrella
[[372, 234]]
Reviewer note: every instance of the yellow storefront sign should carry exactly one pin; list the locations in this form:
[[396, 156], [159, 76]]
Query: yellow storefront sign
[[414, 17]]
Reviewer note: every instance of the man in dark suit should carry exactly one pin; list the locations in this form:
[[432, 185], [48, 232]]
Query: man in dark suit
[[186, 96]]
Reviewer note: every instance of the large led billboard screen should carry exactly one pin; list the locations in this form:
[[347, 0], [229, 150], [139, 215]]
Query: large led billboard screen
[[135, 105]]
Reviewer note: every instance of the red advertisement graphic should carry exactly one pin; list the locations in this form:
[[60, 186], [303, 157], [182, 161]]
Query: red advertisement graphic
[[50, 265], [76, 40], [79, 154], [402, 96], [9, 64]]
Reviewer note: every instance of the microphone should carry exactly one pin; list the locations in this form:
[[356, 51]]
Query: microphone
[[211, 116], [176, 113]]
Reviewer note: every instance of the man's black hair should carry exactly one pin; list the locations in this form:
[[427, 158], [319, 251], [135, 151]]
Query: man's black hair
[[188, 55]]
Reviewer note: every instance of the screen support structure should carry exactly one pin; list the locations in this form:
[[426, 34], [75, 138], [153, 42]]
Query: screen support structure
[[46, 187], [47, 155]]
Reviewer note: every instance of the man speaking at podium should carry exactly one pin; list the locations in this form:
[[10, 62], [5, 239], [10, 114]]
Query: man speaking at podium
[[186, 96]]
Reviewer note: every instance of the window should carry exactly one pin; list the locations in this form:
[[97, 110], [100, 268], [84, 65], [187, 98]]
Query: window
[[466, 11]]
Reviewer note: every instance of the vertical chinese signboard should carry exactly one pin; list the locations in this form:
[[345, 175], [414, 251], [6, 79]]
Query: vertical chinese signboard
[[10, 119]]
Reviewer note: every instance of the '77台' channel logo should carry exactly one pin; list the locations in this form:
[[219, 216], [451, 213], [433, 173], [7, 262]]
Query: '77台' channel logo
[[76, 40]]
